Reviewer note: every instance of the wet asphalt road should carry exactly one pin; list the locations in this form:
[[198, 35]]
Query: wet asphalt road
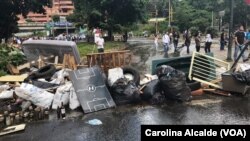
[[123, 122]]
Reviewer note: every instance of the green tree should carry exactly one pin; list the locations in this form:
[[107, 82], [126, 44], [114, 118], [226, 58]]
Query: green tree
[[111, 15], [187, 16], [56, 18], [11, 8]]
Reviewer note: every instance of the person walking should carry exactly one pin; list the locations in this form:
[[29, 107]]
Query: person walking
[[176, 37], [156, 42], [197, 42], [166, 41], [222, 40], [208, 43], [239, 43], [187, 41]]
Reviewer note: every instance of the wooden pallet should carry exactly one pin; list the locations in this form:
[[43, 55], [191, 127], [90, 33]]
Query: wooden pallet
[[108, 60]]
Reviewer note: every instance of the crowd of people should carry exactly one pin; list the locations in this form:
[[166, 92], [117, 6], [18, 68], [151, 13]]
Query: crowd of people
[[241, 38]]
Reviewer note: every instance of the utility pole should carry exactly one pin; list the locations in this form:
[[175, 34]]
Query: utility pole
[[229, 52], [212, 24], [156, 20], [169, 13]]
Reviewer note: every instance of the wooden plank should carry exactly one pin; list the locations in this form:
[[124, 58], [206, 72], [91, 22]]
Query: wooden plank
[[119, 59], [13, 70], [123, 51], [123, 57], [217, 92], [72, 62], [56, 60], [12, 129], [113, 60], [26, 65], [104, 63], [13, 78]]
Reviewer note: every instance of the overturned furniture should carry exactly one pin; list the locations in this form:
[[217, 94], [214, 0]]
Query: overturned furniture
[[207, 69], [108, 60]]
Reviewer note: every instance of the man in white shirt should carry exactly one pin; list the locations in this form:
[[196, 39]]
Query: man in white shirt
[[166, 41], [100, 43]]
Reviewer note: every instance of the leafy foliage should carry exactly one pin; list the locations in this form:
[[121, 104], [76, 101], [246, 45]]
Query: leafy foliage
[[10, 55], [11, 8]]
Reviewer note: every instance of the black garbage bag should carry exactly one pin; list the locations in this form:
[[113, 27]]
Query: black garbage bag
[[158, 98], [163, 70], [243, 77], [174, 86], [125, 92], [150, 89]]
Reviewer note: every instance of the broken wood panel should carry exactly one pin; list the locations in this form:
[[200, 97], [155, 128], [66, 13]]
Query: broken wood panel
[[13, 78]]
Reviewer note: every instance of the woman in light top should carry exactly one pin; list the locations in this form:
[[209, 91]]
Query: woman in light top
[[208, 43]]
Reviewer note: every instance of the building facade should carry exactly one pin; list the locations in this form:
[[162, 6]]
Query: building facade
[[59, 7]]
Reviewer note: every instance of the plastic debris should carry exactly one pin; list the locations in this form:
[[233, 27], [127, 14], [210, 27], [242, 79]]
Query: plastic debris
[[94, 122]]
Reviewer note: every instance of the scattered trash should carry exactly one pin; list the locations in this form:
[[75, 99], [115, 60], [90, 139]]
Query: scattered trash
[[73, 100], [6, 94], [12, 129], [114, 75], [158, 98], [173, 83], [150, 89], [148, 78], [197, 92], [36, 95], [217, 92], [4, 87], [62, 95], [207, 69], [132, 75], [242, 67], [230, 84], [243, 77], [13, 78], [125, 92], [94, 122]]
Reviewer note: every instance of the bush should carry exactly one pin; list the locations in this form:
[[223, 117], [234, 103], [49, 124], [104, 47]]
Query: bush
[[10, 55]]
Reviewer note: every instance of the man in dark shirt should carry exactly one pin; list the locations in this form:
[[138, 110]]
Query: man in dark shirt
[[176, 37], [222, 40], [239, 43]]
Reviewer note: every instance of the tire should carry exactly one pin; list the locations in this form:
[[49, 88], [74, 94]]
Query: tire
[[194, 85], [45, 72], [134, 73]]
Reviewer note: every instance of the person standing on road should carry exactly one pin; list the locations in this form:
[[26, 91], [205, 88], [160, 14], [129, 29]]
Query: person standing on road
[[197, 42], [208, 43], [100, 43], [222, 40], [166, 41], [176, 37], [156, 42], [239, 43], [187, 41]]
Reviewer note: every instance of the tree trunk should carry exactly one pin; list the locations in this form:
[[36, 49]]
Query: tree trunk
[[110, 35], [125, 36]]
